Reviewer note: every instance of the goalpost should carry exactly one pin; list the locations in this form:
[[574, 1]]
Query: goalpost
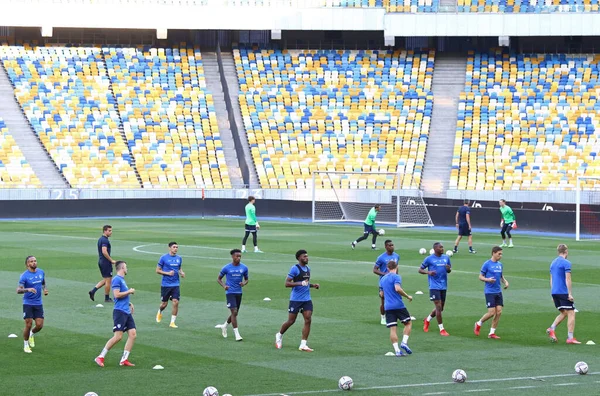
[[348, 196], [587, 208]]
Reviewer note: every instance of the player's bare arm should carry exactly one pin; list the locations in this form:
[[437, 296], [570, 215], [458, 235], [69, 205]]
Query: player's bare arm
[[568, 281], [289, 283], [426, 272], [106, 255], [400, 291], [44, 287], [505, 282], [23, 290], [220, 282], [161, 272]]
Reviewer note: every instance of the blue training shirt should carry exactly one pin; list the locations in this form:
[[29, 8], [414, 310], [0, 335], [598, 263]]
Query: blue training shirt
[[299, 293], [558, 269], [439, 281], [235, 275], [463, 211], [121, 304], [491, 269], [103, 241], [169, 263], [383, 259], [34, 280], [391, 299]]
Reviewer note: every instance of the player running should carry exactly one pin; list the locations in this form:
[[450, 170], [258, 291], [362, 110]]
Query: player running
[[507, 222], [395, 310], [560, 285], [491, 274], [251, 226], [236, 274], [380, 268], [105, 263], [369, 228], [169, 266], [122, 317], [463, 224], [31, 284], [299, 280], [437, 266]]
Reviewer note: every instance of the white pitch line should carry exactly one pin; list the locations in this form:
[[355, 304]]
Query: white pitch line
[[566, 384], [477, 390], [523, 387]]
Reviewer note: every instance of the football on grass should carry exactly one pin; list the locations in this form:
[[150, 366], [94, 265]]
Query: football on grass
[[459, 376], [345, 383], [581, 368], [381, 231]]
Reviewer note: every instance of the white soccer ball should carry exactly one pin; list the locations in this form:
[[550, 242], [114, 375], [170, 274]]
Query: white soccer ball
[[449, 253], [459, 376], [345, 383], [422, 251], [431, 251], [581, 368], [381, 231], [227, 394], [210, 391], [95, 394]]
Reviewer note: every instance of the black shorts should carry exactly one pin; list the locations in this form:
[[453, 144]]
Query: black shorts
[[370, 229], [561, 301], [297, 307], [169, 293], [33, 311], [106, 269], [123, 321], [234, 300], [437, 295], [494, 300], [463, 230], [250, 228], [392, 317], [507, 227]]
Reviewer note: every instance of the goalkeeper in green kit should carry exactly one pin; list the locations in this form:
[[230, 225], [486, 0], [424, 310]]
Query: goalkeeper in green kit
[[508, 222], [251, 226], [369, 227]]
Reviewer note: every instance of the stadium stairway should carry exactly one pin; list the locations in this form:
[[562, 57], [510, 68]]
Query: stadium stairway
[[448, 5], [448, 82], [31, 147], [234, 92]]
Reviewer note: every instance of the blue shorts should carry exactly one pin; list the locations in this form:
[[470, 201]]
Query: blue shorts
[[370, 229], [106, 269], [437, 295], [494, 300], [297, 307], [250, 228], [33, 311], [169, 293], [561, 301], [393, 316], [123, 321], [463, 230], [234, 300]]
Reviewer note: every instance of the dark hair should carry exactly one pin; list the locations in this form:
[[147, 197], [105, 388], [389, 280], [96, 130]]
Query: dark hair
[[437, 244], [173, 243], [106, 227], [466, 201], [27, 259], [251, 198], [234, 251], [503, 200], [387, 241], [377, 206], [300, 253], [119, 264], [496, 249], [392, 264]]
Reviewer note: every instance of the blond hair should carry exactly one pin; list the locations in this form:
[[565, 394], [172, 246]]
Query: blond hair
[[562, 248]]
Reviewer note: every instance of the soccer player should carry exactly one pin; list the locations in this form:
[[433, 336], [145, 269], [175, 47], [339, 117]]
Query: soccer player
[[491, 274], [369, 227], [122, 317], [251, 225], [560, 285], [169, 266], [463, 223], [391, 289], [380, 268], [236, 274], [105, 263], [32, 284], [507, 222], [299, 280], [437, 267]]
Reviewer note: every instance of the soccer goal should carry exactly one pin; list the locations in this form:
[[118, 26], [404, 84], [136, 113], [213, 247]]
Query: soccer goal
[[348, 196], [587, 208]]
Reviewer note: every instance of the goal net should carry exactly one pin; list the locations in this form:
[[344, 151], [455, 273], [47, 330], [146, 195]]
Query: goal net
[[348, 197], [587, 208]]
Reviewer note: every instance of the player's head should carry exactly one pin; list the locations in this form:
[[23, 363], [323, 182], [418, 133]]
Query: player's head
[[389, 246], [563, 250], [496, 253], [31, 262], [377, 207], [502, 202], [438, 248], [107, 230], [251, 199], [302, 256], [392, 266], [121, 267], [173, 248], [236, 256], [466, 202]]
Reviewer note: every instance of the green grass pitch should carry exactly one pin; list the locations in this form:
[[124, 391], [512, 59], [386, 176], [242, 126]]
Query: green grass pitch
[[346, 334]]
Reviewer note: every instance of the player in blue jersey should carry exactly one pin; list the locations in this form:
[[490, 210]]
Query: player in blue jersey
[[236, 274], [380, 268], [562, 294], [169, 266], [492, 274], [299, 280], [32, 284], [395, 310], [105, 263], [122, 317], [437, 267], [463, 224]]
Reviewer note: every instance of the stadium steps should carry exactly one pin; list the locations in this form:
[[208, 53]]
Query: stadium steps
[[215, 87], [448, 82], [234, 92], [447, 5], [31, 147]]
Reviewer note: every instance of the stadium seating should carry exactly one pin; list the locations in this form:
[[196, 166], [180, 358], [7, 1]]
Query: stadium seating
[[531, 6], [527, 122], [168, 117], [364, 111], [64, 93], [15, 172]]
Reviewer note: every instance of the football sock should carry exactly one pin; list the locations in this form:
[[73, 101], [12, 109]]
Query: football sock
[[382, 317], [429, 317], [456, 247], [396, 348], [26, 344], [31, 333], [492, 330], [279, 336], [236, 332], [106, 297], [405, 339], [226, 323], [302, 343], [256, 248], [243, 247], [441, 326], [373, 246], [94, 290], [553, 327], [173, 317], [510, 240], [125, 356], [471, 248], [570, 336], [104, 352], [480, 323]]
